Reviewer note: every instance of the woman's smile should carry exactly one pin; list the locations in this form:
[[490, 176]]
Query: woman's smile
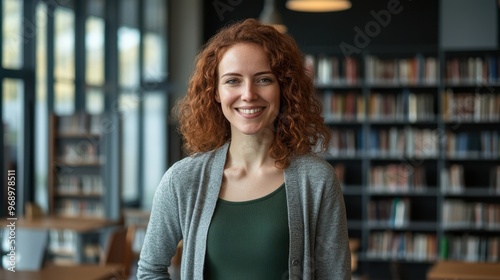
[[250, 112]]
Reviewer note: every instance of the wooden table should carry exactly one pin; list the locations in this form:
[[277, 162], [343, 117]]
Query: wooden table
[[60, 272], [80, 226], [450, 270]]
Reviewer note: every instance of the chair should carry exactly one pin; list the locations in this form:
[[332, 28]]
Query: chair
[[118, 251], [135, 233], [33, 211]]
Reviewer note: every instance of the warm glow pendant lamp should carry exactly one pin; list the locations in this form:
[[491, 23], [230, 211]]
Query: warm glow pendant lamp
[[271, 16], [318, 5]]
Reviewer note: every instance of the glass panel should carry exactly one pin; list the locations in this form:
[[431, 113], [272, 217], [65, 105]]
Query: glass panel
[[128, 48], [155, 49], [154, 144], [64, 88], [94, 46], [128, 44], [128, 106], [12, 36], [64, 98], [41, 120], [154, 57], [64, 44], [12, 120], [95, 101]]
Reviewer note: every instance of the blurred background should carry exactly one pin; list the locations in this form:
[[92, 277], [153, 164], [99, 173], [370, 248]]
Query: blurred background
[[410, 90]]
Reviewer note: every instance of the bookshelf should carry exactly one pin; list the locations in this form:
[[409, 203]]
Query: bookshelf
[[470, 187], [82, 183], [416, 148]]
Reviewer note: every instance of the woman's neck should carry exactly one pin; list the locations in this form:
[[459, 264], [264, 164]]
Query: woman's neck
[[250, 152]]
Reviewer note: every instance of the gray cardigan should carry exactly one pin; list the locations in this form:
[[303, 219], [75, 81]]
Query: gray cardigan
[[185, 200]]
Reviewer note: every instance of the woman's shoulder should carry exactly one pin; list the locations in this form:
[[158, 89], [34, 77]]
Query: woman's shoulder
[[312, 163], [198, 163], [188, 173]]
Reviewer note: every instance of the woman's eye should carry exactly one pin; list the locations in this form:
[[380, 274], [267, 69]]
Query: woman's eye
[[265, 80], [231, 81]]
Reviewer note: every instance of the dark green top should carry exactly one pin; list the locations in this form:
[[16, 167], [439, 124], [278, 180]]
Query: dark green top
[[249, 239]]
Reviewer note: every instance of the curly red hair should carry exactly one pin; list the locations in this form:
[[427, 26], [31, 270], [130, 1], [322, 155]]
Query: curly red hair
[[299, 125]]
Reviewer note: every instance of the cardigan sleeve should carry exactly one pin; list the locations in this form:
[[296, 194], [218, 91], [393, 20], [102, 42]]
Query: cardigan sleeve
[[163, 232], [332, 253]]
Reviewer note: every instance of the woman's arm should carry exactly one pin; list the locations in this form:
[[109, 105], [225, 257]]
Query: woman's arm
[[163, 233]]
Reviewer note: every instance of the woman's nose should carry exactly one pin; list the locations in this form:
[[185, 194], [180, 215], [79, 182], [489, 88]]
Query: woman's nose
[[249, 92]]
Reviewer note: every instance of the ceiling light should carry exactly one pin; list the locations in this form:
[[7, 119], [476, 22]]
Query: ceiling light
[[271, 16], [318, 5]]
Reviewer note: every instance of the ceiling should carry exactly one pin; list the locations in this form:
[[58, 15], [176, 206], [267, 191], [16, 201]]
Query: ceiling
[[415, 24]]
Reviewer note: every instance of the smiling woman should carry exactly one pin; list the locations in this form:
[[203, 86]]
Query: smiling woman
[[252, 201], [299, 124], [247, 89]]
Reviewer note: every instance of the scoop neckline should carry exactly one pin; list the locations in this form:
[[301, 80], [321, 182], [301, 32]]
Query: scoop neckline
[[255, 200]]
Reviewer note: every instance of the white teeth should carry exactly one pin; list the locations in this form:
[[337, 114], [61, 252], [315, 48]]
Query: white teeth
[[250, 111]]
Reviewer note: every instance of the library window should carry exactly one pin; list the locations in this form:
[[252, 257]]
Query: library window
[[12, 108], [130, 148], [95, 60], [64, 60], [13, 36], [90, 57]]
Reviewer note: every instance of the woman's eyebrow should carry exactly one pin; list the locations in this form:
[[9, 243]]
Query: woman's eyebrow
[[231, 74], [238, 74]]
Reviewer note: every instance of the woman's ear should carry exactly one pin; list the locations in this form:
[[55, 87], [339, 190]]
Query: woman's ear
[[217, 98]]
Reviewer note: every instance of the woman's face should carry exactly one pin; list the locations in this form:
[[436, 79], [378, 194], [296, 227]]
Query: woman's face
[[247, 90]]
